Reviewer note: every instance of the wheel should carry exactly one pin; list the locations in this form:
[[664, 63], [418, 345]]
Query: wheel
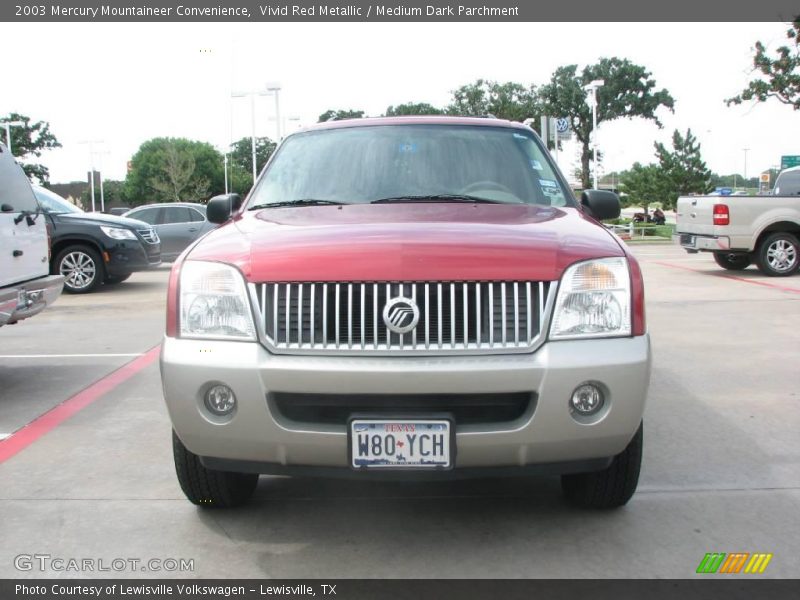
[[612, 487], [81, 267], [208, 488], [733, 261], [112, 279], [777, 255]]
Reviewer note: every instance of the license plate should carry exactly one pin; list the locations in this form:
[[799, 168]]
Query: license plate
[[401, 443], [687, 240]]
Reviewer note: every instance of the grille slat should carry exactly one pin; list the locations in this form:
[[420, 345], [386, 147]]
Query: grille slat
[[456, 316]]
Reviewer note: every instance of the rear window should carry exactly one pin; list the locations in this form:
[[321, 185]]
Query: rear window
[[15, 189], [363, 164]]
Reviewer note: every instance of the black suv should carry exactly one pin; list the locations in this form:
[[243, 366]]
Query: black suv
[[90, 249]]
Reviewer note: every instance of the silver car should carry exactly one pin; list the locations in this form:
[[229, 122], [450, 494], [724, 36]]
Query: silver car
[[178, 224]]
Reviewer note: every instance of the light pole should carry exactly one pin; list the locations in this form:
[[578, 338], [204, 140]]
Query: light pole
[[8, 125], [252, 95], [592, 100], [746, 150], [275, 88], [91, 144]]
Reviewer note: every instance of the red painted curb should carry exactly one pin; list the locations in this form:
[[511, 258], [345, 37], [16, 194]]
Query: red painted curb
[[26, 436], [726, 276]]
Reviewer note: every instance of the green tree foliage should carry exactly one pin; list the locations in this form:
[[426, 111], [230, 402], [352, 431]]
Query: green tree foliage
[[509, 100], [173, 169], [413, 108], [29, 141], [113, 194], [777, 77], [242, 153], [645, 184], [339, 115], [683, 167], [629, 92]]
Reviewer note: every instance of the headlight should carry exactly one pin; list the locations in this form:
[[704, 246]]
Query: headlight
[[214, 302], [118, 233], [594, 300]]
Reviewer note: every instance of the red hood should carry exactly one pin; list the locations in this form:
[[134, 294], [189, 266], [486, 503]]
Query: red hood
[[408, 242]]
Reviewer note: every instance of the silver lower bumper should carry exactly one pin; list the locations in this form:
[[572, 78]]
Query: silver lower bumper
[[546, 434], [27, 299], [692, 242]]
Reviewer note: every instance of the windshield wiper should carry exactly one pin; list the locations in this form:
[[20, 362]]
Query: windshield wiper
[[299, 202], [437, 198]]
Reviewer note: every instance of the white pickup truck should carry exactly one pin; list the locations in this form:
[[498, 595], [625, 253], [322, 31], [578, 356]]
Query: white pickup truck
[[26, 286], [740, 230]]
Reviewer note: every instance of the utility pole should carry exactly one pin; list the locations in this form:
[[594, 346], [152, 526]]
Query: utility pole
[[252, 94], [746, 150]]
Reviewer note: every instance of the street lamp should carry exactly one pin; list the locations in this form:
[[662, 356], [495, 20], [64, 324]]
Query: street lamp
[[592, 100], [8, 125], [746, 150], [275, 88], [252, 95]]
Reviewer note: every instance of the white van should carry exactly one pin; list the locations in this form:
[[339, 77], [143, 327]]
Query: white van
[[26, 286]]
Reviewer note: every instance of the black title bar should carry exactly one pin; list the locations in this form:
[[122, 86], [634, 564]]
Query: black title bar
[[400, 11]]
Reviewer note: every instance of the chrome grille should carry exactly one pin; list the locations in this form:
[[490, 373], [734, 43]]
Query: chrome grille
[[453, 317], [149, 235]]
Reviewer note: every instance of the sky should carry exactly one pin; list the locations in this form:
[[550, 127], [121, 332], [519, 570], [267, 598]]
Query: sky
[[124, 83]]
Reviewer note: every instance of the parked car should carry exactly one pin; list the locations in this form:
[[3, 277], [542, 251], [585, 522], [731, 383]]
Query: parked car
[[418, 297], [745, 229], [787, 183], [26, 286], [178, 224], [118, 211], [90, 249]]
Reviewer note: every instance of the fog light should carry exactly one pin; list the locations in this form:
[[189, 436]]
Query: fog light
[[587, 399], [220, 400]]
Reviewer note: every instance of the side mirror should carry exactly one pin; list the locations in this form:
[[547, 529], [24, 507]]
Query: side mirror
[[601, 204], [220, 208]]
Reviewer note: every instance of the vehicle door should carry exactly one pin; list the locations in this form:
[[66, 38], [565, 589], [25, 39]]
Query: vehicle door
[[176, 229], [23, 229]]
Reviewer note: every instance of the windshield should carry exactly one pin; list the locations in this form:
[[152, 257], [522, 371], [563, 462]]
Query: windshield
[[406, 162], [53, 203]]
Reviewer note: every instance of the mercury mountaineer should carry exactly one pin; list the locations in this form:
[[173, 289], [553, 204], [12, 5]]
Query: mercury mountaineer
[[408, 298]]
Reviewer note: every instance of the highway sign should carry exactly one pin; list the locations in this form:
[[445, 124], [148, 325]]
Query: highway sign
[[790, 161]]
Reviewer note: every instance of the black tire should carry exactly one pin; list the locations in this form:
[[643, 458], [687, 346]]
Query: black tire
[[732, 261], [208, 488], [82, 268], [113, 279], [778, 255], [612, 487]]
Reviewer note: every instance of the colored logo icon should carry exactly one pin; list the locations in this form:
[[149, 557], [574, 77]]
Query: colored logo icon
[[734, 563]]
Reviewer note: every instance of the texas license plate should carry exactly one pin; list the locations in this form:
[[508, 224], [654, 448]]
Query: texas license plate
[[401, 443]]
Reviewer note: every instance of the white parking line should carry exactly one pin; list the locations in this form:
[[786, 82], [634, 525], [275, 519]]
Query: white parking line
[[133, 355]]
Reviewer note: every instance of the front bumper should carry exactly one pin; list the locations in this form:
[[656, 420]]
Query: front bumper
[[129, 256], [28, 299], [547, 434]]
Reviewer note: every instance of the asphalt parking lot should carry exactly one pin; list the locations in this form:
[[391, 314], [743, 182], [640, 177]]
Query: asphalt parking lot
[[721, 471]]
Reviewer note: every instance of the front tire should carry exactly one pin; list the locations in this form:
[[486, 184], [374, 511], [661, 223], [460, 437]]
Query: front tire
[[732, 261], [81, 267], [206, 487], [778, 255], [611, 487]]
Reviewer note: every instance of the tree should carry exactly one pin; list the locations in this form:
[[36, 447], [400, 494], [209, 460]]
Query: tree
[[645, 184], [683, 167], [628, 92], [171, 169], [29, 140], [338, 115], [242, 153], [510, 100], [113, 193], [779, 77], [413, 108]]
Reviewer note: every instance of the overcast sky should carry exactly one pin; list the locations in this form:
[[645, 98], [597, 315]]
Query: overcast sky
[[126, 83]]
